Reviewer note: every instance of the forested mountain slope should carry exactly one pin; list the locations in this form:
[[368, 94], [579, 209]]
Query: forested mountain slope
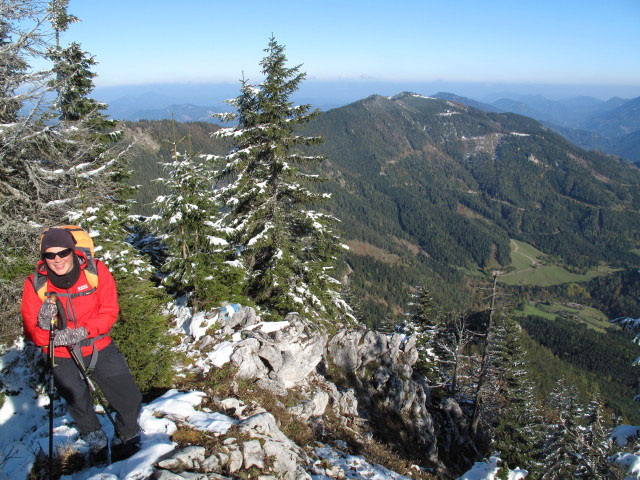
[[427, 187], [456, 183]]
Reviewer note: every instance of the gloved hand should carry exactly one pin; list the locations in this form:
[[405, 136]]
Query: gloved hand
[[47, 311], [69, 336]]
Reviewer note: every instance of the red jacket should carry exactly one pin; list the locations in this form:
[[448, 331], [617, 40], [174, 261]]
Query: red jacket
[[96, 312]]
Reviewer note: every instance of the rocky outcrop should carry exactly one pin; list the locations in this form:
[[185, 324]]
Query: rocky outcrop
[[257, 445], [282, 358], [365, 377], [379, 369]]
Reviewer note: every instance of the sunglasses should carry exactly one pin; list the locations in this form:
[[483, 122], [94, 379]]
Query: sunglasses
[[62, 254]]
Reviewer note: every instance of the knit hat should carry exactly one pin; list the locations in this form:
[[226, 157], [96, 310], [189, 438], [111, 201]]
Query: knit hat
[[57, 237]]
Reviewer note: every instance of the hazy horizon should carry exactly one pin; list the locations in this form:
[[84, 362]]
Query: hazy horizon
[[579, 45], [331, 94]]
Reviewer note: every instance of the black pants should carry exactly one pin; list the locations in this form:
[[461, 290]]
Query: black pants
[[112, 375]]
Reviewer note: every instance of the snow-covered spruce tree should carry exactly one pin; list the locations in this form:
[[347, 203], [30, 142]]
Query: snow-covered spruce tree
[[576, 443], [196, 263], [561, 446], [433, 337], [517, 428], [288, 247]]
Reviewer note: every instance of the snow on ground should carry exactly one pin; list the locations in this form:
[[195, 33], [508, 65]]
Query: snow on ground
[[192, 328], [489, 469], [22, 414], [623, 433], [629, 461], [29, 433], [355, 467]]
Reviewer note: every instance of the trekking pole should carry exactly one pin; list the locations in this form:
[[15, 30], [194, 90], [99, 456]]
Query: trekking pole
[[85, 375], [51, 389]]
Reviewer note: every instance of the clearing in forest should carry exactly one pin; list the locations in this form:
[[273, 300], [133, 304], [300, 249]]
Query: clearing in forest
[[530, 269], [592, 317]]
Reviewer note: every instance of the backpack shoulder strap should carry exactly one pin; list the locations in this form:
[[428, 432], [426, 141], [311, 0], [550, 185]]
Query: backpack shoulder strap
[[40, 284], [91, 271]]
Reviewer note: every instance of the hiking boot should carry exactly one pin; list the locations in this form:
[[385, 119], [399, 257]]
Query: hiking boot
[[98, 451], [121, 450]]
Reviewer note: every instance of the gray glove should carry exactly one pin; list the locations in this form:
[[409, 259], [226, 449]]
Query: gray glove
[[69, 336], [47, 311]]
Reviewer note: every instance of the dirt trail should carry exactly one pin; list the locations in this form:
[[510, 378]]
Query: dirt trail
[[516, 249]]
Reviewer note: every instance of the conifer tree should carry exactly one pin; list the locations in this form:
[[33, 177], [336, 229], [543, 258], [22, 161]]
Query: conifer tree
[[433, 338], [288, 247], [577, 443], [195, 264], [561, 445], [518, 425], [12, 67]]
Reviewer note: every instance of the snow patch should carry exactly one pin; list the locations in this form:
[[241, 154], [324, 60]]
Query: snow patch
[[488, 470], [623, 433]]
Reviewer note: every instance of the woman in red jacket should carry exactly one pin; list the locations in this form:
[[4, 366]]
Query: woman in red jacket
[[90, 315]]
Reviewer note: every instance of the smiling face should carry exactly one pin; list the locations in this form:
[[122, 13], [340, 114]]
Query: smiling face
[[59, 266]]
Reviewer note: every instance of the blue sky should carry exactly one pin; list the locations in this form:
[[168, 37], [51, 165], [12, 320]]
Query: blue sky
[[508, 41]]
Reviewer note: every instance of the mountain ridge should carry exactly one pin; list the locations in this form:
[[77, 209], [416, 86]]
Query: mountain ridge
[[458, 183]]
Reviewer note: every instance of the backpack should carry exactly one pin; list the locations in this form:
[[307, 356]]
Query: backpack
[[84, 243]]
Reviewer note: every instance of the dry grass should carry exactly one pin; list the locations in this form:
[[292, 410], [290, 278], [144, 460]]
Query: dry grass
[[187, 436], [66, 462], [221, 383], [366, 249]]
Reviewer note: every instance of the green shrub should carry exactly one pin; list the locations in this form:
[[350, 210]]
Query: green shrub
[[141, 333]]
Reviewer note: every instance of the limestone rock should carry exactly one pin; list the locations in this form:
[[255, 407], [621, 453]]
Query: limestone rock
[[167, 475], [263, 425], [343, 350], [348, 403], [235, 460], [285, 356], [379, 368], [186, 459], [285, 461], [312, 408], [245, 358], [211, 464], [233, 405], [253, 454]]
